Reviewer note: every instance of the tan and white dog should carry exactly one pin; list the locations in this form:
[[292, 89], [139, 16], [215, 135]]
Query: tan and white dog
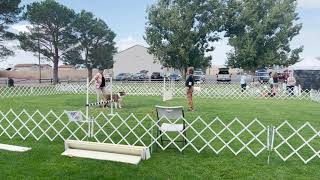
[[116, 99]]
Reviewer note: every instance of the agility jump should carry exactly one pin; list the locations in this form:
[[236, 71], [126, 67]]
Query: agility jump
[[105, 151]]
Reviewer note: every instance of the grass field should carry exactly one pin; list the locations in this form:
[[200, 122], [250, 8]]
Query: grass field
[[45, 161]]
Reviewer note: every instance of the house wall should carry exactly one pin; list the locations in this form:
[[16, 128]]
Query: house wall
[[32, 68], [135, 59]]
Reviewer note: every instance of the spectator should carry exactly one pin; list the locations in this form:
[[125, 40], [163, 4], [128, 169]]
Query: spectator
[[271, 83], [189, 85], [291, 82], [275, 83], [243, 82], [10, 82]]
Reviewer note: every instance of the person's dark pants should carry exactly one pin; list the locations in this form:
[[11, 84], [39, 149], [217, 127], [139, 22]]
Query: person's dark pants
[[243, 87], [290, 90]]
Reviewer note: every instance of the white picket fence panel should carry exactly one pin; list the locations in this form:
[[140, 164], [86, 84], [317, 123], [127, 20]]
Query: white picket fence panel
[[285, 140]]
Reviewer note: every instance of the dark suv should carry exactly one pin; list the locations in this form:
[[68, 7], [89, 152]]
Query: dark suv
[[156, 76], [262, 75]]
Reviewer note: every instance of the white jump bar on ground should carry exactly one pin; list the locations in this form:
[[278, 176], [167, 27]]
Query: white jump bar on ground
[[102, 156], [105, 151], [13, 148]]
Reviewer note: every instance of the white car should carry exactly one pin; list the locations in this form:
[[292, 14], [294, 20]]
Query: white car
[[224, 75], [199, 76]]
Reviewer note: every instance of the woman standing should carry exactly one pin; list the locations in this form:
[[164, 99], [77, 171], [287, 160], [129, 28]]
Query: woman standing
[[291, 82], [275, 83], [243, 82], [189, 85], [100, 84]]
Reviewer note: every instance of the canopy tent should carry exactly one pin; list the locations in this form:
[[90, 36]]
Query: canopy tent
[[312, 64]]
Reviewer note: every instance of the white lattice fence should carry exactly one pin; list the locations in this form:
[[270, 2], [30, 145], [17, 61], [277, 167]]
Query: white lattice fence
[[302, 142], [37, 125], [6, 92], [315, 95], [216, 135], [226, 91], [285, 140], [254, 90], [201, 135]]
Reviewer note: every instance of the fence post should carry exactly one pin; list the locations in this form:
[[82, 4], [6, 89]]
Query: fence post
[[92, 126], [270, 140]]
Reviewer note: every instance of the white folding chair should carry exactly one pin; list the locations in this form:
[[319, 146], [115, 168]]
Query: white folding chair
[[175, 122]]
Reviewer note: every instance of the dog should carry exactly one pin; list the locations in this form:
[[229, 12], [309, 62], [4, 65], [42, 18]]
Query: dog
[[116, 99]]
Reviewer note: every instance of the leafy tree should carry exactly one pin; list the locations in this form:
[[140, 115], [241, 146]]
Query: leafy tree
[[50, 32], [180, 32], [260, 32], [96, 40], [9, 11]]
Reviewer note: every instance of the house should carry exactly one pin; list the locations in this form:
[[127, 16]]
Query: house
[[135, 59], [66, 67], [45, 66], [31, 67]]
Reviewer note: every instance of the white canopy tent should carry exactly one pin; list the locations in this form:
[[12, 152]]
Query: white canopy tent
[[311, 64]]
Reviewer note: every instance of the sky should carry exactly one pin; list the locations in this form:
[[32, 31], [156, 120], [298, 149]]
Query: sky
[[127, 19]]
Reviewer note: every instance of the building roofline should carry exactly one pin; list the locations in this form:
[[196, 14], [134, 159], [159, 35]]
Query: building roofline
[[131, 48]]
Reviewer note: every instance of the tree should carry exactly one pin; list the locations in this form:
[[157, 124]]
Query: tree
[[260, 33], [50, 32], [96, 40], [9, 11], [180, 32]]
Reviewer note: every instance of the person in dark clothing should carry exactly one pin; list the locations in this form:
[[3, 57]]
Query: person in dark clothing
[[10, 82], [189, 85]]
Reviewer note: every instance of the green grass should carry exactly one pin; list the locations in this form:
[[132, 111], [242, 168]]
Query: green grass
[[45, 161]]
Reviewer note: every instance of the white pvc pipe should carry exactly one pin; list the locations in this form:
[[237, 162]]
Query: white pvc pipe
[[111, 98], [87, 107], [164, 89]]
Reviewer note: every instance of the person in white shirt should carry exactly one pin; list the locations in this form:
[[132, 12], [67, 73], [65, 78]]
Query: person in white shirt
[[271, 83], [243, 82], [291, 82]]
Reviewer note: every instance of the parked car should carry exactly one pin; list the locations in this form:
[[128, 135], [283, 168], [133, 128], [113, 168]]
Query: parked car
[[139, 77], [223, 75], [156, 76], [199, 73], [262, 75], [174, 77], [199, 76], [122, 77], [144, 71]]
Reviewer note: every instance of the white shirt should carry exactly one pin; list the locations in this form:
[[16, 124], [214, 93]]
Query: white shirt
[[291, 81], [271, 80], [243, 79]]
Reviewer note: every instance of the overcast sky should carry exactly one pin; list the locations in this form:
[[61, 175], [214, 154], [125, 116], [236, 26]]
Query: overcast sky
[[127, 19]]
